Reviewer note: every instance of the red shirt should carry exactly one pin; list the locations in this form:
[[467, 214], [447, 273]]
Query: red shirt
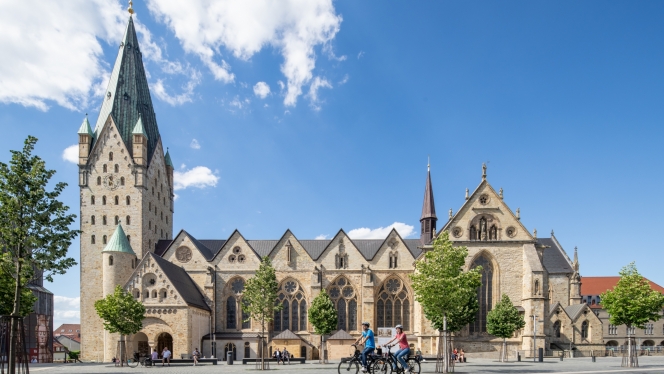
[[403, 342]]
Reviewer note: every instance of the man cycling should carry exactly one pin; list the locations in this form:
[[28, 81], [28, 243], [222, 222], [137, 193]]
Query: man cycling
[[367, 339]]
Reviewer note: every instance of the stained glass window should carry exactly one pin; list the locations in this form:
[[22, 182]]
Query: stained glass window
[[344, 297], [393, 307], [484, 295], [293, 316], [231, 317]]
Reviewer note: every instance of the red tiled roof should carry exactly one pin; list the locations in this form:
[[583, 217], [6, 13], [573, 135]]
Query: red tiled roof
[[596, 285]]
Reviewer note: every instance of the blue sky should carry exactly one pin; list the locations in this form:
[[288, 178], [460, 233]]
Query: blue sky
[[562, 99]]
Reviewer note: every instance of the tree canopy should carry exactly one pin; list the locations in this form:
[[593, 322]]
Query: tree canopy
[[121, 312], [323, 314], [443, 289], [8, 287], [632, 301], [504, 319]]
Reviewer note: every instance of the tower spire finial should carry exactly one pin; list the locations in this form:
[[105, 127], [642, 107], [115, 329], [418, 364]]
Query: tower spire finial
[[130, 9], [483, 170], [428, 163]]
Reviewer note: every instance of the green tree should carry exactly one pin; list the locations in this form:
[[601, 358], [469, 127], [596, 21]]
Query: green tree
[[122, 314], [34, 226], [323, 317], [632, 303], [8, 285], [444, 290], [503, 321], [259, 299]]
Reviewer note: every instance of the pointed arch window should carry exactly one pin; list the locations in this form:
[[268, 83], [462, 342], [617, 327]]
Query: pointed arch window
[[291, 296], [344, 297], [116, 168], [556, 329], [584, 330], [484, 295], [128, 200], [393, 306], [110, 156], [234, 306], [231, 316]]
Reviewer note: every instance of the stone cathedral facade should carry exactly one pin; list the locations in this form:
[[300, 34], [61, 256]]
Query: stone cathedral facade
[[192, 288]]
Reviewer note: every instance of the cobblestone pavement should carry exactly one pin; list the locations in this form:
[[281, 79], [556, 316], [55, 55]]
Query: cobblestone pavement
[[569, 366]]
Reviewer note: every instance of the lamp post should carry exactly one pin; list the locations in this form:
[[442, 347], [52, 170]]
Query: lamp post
[[535, 320]]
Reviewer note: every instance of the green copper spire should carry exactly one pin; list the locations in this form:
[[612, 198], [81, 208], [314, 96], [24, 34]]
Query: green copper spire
[[119, 242], [127, 96], [85, 128], [139, 129], [168, 159]]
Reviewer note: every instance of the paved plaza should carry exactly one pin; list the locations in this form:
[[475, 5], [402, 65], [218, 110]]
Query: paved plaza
[[577, 365]]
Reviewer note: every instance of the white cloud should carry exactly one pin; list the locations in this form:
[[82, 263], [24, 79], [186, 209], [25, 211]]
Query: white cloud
[[188, 89], [322, 237], [294, 27], [198, 176], [239, 103], [344, 80], [381, 233], [195, 145], [261, 89], [66, 310], [359, 55], [313, 91], [71, 154]]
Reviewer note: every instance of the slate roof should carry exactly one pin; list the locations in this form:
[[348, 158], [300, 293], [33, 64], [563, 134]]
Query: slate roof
[[573, 311], [555, 259], [183, 284], [428, 206], [161, 246], [341, 335], [262, 247], [315, 248], [129, 94], [287, 335]]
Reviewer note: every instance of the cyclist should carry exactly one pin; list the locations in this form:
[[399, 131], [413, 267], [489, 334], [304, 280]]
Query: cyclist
[[367, 339], [404, 349]]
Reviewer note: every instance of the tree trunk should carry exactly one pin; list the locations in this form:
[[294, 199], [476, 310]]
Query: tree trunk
[[321, 358], [262, 345], [446, 353], [502, 356], [13, 334]]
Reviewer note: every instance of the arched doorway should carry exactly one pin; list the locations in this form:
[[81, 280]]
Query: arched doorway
[[164, 340], [612, 343], [230, 347], [247, 350], [140, 344], [648, 343], [303, 352]]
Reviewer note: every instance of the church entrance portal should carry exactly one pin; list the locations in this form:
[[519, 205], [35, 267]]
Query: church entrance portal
[[230, 347], [164, 340], [141, 346]]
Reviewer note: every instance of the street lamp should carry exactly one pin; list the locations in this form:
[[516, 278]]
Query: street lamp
[[535, 320]]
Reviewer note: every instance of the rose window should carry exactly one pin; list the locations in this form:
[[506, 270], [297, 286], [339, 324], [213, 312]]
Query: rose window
[[238, 286], [393, 305]]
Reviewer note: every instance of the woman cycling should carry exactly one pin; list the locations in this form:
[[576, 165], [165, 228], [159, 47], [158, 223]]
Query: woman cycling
[[404, 349]]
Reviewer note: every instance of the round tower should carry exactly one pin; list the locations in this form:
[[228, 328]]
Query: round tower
[[118, 261]]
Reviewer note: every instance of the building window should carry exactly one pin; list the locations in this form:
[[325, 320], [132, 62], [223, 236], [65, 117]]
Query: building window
[[104, 168], [122, 181], [92, 239], [231, 317], [98, 181], [103, 200], [584, 330], [110, 156], [92, 220], [92, 200], [129, 239], [536, 287], [103, 239], [128, 219], [393, 306], [484, 295], [344, 297], [117, 200], [650, 329], [291, 297], [128, 200], [117, 220], [393, 260], [116, 168], [631, 330], [110, 260], [556, 329], [103, 220], [341, 258], [613, 330], [247, 350]]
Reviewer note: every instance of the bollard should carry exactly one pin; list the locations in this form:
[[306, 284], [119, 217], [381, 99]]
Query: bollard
[[593, 358], [518, 357], [540, 354], [561, 357], [229, 358]]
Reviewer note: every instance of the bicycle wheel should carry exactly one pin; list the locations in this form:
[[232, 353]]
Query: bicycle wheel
[[380, 366], [349, 367], [132, 363], [414, 364]]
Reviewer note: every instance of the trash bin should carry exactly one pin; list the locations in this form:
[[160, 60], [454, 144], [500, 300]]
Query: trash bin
[[593, 358], [561, 356], [518, 357], [540, 354], [229, 358]]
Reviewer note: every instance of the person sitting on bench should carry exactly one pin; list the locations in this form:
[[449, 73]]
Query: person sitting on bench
[[196, 355]]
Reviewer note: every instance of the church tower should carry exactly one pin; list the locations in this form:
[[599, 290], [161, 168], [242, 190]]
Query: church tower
[[428, 218], [125, 179]]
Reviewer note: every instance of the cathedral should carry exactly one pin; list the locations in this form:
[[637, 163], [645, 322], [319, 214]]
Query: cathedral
[[192, 288]]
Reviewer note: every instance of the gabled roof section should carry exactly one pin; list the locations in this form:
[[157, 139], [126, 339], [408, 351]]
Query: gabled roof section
[[341, 335], [128, 95], [85, 128], [554, 258], [573, 311], [552, 308], [182, 282], [315, 248], [287, 335], [263, 247], [119, 242], [428, 206]]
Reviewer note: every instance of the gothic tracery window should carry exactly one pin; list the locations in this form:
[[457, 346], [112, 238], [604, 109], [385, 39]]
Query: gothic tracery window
[[234, 307], [584, 330], [484, 295], [341, 258], [393, 305], [344, 297], [293, 315], [556, 329]]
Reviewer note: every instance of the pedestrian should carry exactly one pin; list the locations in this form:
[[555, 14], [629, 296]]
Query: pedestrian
[[418, 355], [196, 356], [285, 356], [277, 355], [155, 356], [166, 355], [462, 356], [369, 342], [404, 349]]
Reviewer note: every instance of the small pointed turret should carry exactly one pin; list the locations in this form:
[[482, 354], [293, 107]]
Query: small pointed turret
[[119, 261], [85, 138], [118, 242], [167, 158], [575, 263], [428, 218]]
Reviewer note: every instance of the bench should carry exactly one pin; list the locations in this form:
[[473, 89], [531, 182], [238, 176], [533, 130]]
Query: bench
[[212, 361], [253, 360]]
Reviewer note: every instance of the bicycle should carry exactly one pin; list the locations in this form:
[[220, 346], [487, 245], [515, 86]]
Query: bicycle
[[386, 365], [351, 365]]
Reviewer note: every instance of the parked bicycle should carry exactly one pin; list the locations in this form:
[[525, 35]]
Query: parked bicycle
[[352, 364], [387, 364]]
